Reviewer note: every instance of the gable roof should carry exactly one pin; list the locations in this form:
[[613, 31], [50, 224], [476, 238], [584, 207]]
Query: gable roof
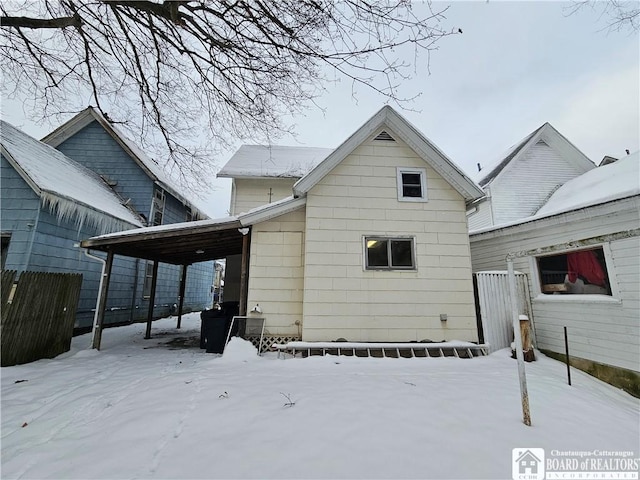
[[150, 167], [424, 148], [63, 184], [256, 161], [551, 137]]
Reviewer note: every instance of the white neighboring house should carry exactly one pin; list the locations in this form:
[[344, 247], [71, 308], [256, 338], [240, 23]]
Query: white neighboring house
[[370, 243], [581, 252], [524, 178]]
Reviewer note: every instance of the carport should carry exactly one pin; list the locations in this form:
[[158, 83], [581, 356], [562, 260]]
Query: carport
[[178, 244]]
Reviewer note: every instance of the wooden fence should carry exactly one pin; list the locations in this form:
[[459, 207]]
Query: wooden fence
[[37, 315]]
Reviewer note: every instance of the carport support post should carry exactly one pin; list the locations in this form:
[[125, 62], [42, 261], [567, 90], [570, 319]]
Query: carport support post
[[183, 286], [243, 271], [526, 415], [152, 299], [102, 301]]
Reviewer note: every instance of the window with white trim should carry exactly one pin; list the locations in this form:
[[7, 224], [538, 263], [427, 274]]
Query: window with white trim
[[574, 273], [412, 184], [157, 210], [389, 253]]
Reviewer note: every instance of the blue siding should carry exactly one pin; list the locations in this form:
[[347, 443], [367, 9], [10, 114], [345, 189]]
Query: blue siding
[[20, 209], [96, 149], [39, 242]]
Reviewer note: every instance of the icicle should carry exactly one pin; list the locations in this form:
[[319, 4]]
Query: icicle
[[67, 210]]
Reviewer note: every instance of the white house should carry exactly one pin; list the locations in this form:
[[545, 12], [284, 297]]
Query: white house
[[367, 242], [581, 252], [523, 179], [371, 244]]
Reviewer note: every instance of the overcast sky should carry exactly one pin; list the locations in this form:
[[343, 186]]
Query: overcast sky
[[516, 66]]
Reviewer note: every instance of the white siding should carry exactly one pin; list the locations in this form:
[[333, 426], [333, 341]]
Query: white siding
[[602, 329], [481, 218], [276, 272], [495, 306], [527, 182], [342, 299], [249, 193]]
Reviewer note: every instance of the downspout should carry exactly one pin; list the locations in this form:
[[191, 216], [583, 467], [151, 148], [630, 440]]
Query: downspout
[[95, 315], [34, 228]]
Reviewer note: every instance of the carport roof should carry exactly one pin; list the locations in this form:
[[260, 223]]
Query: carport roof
[[191, 242], [178, 244]]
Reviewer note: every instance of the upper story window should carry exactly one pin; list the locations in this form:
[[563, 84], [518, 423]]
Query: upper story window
[[412, 184], [157, 209], [389, 253], [576, 272], [189, 215]]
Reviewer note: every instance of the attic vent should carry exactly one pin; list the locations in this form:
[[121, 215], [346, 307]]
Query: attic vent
[[384, 137]]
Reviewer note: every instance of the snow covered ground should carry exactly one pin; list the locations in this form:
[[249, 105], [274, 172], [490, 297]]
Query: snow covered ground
[[147, 409]]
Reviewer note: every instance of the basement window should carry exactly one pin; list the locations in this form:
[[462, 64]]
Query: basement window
[[385, 253], [579, 272], [412, 184]]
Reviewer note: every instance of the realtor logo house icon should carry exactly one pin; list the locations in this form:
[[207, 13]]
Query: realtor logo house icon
[[528, 463]]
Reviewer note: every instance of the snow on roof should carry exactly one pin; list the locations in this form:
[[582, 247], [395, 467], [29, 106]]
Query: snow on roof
[[252, 161], [490, 172], [172, 227], [597, 186], [603, 184], [63, 184]]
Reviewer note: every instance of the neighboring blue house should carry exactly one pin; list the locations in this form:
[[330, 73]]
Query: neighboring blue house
[[94, 182]]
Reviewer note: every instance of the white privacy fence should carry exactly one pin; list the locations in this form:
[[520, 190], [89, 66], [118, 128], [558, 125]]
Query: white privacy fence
[[495, 306]]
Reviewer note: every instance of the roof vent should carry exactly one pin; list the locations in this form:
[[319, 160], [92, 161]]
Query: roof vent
[[384, 137]]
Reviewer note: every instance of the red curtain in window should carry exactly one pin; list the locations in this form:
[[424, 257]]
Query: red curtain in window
[[586, 265]]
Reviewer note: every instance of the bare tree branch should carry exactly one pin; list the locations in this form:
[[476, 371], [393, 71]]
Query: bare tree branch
[[26, 22], [190, 77], [618, 15]]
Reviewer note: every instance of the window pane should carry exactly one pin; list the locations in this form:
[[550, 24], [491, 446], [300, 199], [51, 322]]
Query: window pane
[[377, 253], [411, 185], [578, 272], [401, 253]]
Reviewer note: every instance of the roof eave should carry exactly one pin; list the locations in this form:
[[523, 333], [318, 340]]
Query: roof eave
[[270, 212]]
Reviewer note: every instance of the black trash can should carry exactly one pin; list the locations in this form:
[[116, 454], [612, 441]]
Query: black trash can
[[213, 330], [215, 326]]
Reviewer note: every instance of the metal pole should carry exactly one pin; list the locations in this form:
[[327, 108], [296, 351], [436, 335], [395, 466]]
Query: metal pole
[[152, 299], [566, 352], [183, 285], [102, 302], [243, 272], [526, 415]]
